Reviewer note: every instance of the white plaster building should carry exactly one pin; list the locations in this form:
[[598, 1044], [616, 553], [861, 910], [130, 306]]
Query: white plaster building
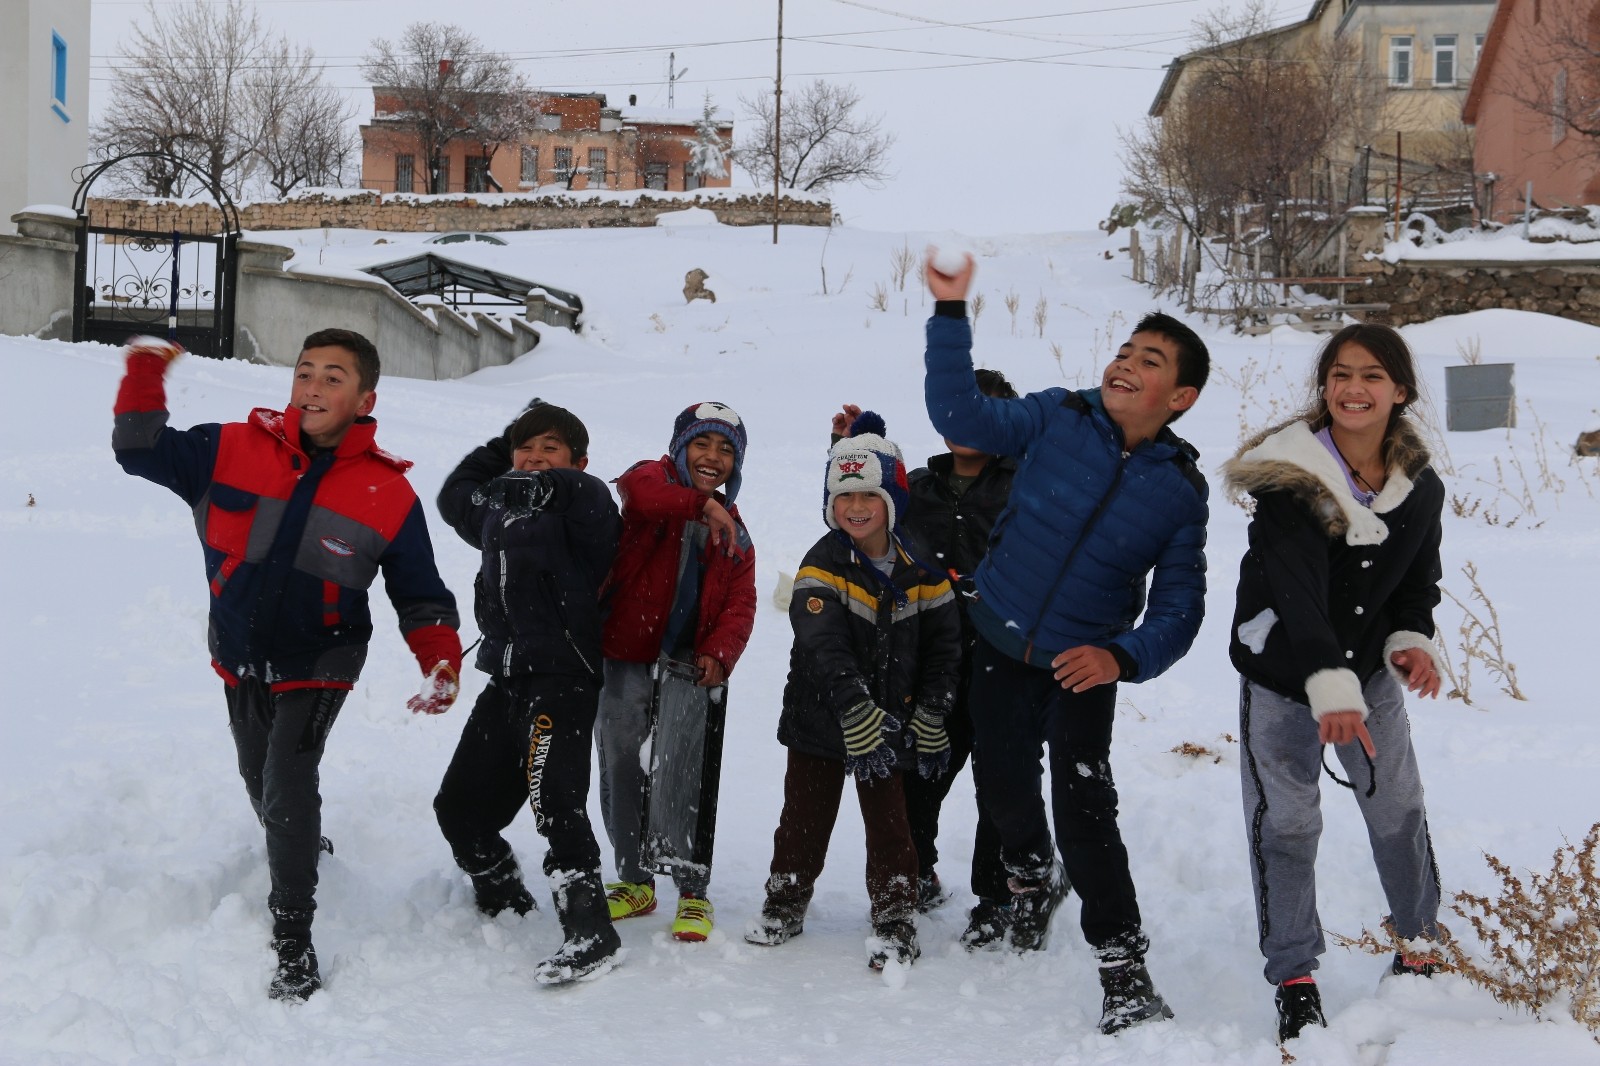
[[44, 101]]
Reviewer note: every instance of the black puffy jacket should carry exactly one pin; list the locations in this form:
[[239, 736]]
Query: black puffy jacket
[[859, 636], [537, 593]]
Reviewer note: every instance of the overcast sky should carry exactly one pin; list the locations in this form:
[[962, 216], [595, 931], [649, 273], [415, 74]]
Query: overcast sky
[[1008, 124]]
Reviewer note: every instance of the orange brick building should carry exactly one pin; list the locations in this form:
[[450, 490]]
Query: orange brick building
[[579, 143], [1519, 144]]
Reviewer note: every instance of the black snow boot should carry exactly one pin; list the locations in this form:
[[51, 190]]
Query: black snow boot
[[1130, 997], [931, 892], [987, 925], [500, 888], [780, 922], [1299, 1005], [893, 942], [297, 975], [590, 945], [1032, 904]]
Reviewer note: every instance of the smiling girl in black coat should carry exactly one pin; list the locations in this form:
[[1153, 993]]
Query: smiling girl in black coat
[[1334, 615]]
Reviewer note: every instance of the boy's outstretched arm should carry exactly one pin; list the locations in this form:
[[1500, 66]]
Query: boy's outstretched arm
[[143, 443]]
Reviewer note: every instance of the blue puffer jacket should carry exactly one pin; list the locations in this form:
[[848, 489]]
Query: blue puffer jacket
[[1086, 523]]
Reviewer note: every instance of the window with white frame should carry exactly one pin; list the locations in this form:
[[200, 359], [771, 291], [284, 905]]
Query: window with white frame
[[530, 165], [405, 171], [58, 76], [1400, 62], [597, 168], [563, 164], [1444, 60]]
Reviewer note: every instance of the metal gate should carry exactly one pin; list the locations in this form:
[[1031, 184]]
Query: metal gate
[[173, 284]]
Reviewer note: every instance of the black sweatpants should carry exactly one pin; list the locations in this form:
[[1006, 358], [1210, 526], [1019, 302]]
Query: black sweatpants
[[526, 741], [1017, 709], [280, 737], [925, 802]]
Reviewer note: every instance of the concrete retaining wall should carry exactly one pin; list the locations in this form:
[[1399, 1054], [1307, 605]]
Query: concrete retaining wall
[[36, 272], [275, 309]]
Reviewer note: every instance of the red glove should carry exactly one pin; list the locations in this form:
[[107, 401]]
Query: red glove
[[437, 643], [438, 651], [438, 692]]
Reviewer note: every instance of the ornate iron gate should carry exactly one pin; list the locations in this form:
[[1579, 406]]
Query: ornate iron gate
[[173, 284]]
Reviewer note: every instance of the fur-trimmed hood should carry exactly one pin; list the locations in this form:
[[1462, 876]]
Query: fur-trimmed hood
[[1288, 457]]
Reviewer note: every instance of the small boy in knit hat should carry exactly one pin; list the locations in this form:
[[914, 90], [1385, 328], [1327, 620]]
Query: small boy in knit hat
[[877, 649], [683, 586]]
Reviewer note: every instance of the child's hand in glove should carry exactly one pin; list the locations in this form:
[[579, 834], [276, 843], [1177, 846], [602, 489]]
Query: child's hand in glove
[[933, 743], [439, 690], [519, 493], [866, 746]]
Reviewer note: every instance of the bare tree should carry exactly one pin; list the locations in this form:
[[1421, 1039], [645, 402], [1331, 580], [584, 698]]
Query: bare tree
[[307, 131], [1264, 113], [1555, 72], [825, 141], [442, 85], [206, 81]]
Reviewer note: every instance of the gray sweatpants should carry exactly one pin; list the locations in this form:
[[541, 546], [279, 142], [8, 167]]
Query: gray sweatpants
[[619, 735], [1281, 766]]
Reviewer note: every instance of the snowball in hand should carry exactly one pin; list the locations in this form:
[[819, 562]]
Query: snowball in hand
[[949, 261]]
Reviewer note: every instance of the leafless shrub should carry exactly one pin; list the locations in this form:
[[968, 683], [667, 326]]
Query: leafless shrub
[[901, 260], [1471, 350], [976, 306], [1482, 641], [1542, 938], [880, 297], [1041, 314], [1013, 302]]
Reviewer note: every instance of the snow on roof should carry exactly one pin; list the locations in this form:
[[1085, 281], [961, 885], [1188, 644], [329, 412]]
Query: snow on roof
[[672, 116]]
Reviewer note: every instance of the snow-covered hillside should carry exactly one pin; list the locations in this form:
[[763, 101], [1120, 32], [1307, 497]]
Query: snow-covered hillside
[[133, 878]]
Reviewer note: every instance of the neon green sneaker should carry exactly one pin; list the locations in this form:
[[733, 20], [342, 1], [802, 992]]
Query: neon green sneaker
[[694, 919], [627, 899]]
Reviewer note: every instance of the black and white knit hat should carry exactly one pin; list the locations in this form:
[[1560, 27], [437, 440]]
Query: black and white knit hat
[[866, 461], [709, 417]]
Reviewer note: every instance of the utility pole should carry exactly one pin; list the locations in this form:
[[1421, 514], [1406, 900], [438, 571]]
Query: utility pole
[[672, 78], [777, 125]]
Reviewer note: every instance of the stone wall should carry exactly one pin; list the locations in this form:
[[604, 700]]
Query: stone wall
[[1419, 290], [489, 213]]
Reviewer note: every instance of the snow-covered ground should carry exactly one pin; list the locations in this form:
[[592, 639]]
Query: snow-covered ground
[[133, 877]]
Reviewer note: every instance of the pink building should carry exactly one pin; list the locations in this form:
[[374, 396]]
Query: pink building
[[1534, 93]]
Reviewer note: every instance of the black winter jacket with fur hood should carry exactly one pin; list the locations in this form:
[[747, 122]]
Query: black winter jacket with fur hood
[[1329, 589]]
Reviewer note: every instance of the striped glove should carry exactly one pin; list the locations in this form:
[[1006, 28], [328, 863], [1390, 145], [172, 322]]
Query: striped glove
[[933, 743], [866, 747]]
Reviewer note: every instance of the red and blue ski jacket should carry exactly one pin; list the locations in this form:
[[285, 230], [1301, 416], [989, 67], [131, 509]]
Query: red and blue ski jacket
[[292, 540]]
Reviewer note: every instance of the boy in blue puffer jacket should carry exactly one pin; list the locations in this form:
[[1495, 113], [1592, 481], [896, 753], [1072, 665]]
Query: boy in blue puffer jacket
[[548, 533], [1105, 497]]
